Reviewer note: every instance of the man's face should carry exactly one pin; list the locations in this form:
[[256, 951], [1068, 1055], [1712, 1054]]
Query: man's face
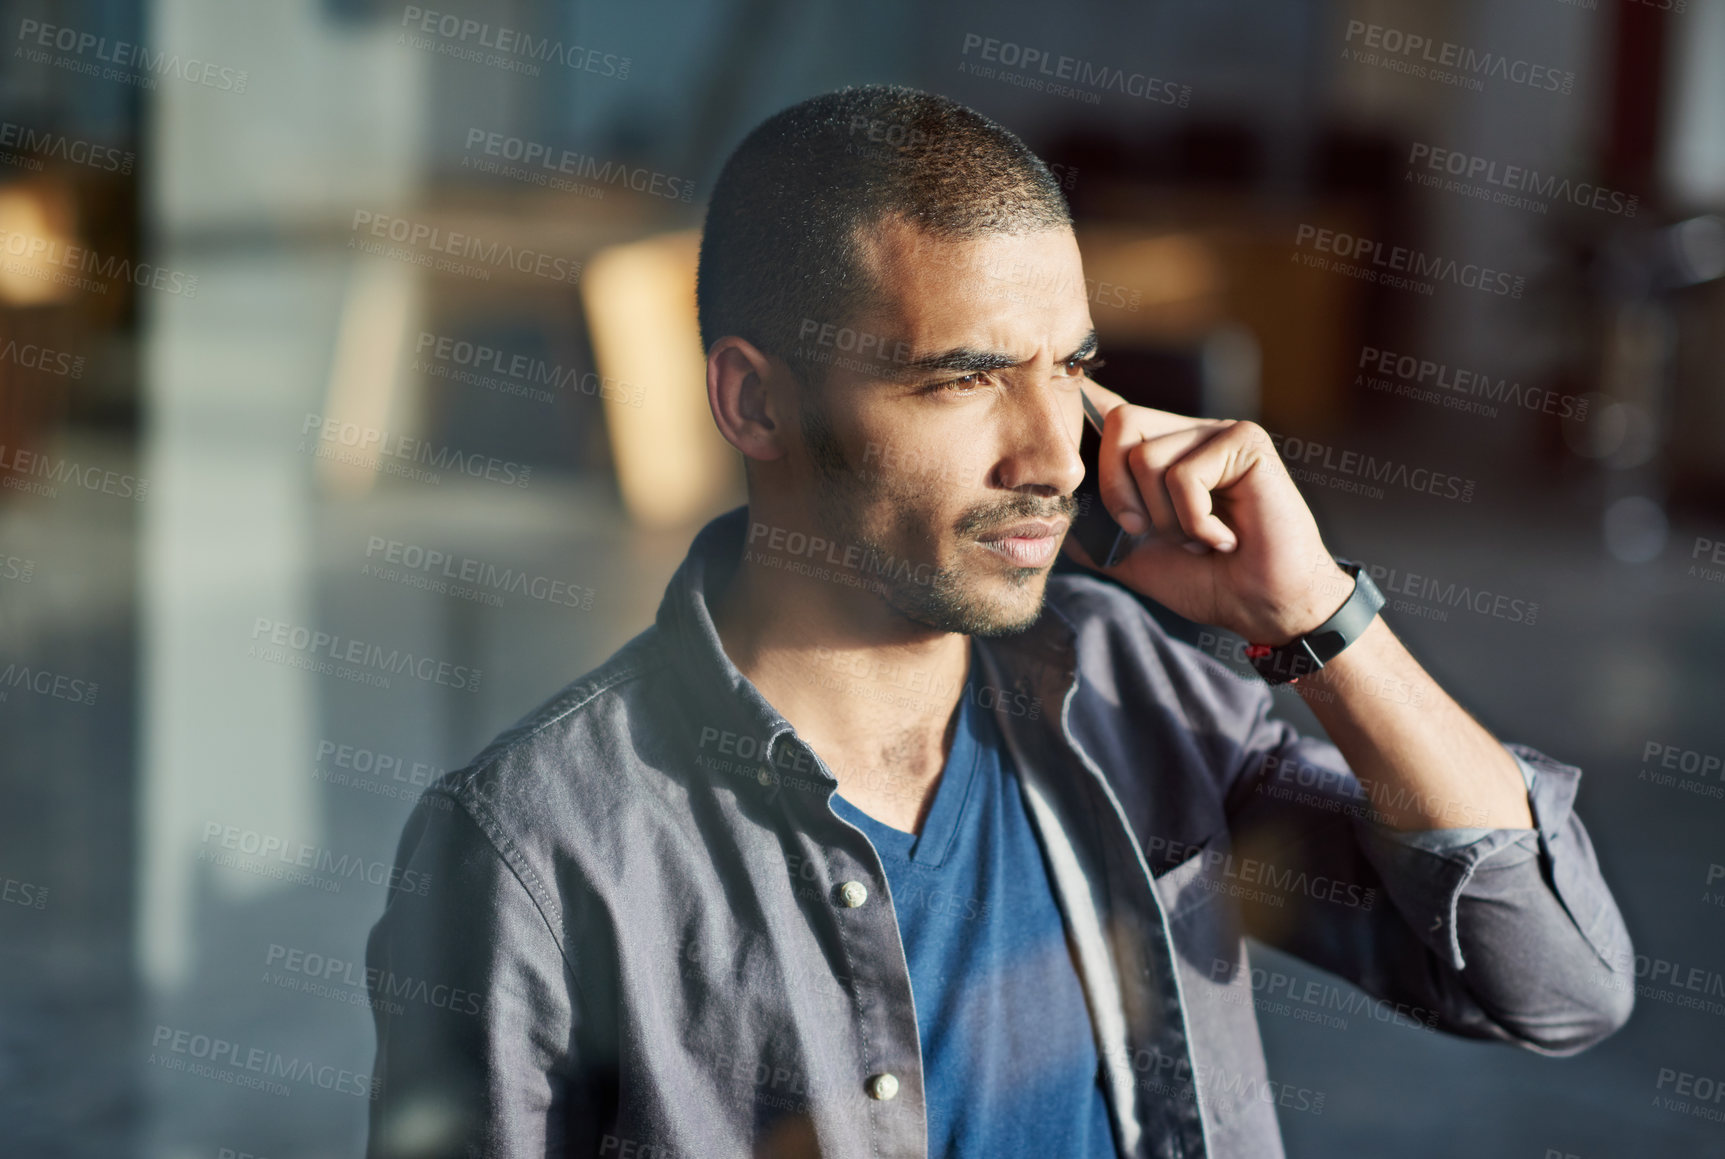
[[944, 441]]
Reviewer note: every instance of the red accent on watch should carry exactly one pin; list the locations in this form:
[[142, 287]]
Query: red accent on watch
[[1254, 651]]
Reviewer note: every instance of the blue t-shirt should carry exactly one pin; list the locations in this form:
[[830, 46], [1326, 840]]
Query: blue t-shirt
[[1009, 1056]]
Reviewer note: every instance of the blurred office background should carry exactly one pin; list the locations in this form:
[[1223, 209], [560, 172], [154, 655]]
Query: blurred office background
[[236, 414]]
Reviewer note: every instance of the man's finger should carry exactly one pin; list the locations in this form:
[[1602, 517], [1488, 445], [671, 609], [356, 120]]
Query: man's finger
[[1191, 484], [1114, 477], [1148, 462]]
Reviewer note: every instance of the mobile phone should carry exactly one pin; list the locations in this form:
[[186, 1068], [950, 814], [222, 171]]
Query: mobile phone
[[1105, 540]]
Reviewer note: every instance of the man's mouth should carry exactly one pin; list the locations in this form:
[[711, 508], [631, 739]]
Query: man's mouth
[[1028, 543]]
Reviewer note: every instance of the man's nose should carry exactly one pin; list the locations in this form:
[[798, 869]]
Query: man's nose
[[1041, 442]]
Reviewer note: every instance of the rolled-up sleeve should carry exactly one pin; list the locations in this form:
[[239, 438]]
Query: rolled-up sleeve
[[1523, 916], [1507, 934]]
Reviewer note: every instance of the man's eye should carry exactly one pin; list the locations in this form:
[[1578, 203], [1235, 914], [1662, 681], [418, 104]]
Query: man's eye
[[1077, 365], [963, 384]]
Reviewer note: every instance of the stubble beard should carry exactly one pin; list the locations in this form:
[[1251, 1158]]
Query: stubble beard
[[947, 599]]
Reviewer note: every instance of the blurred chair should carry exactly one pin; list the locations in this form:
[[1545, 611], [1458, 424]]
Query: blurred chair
[[673, 467]]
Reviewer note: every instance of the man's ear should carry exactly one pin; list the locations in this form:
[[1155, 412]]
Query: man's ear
[[744, 390]]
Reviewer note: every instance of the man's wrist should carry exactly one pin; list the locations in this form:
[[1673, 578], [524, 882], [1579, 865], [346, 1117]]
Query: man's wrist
[[1310, 650], [1324, 597]]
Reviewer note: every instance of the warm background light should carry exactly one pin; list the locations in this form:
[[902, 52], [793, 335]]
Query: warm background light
[[34, 218], [672, 466]]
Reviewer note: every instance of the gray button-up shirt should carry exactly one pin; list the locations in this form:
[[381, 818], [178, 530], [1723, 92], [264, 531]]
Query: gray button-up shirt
[[645, 899]]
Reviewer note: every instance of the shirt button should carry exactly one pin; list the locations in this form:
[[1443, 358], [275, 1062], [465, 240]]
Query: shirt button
[[883, 1086], [853, 894]]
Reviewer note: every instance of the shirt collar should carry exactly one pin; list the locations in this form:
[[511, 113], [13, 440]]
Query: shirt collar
[[1038, 662], [723, 699]]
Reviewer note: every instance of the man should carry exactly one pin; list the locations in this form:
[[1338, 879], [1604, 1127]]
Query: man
[[882, 841]]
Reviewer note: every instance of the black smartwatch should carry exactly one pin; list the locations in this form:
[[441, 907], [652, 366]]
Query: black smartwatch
[[1303, 655]]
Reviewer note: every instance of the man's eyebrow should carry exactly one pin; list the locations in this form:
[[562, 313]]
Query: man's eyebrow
[[1085, 348], [969, 360], [964, 358]]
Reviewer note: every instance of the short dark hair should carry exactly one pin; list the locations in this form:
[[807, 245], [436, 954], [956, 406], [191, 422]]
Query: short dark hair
[[781, 238]]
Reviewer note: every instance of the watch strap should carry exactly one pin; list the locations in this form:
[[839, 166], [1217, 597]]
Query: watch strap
[[1303, 655]]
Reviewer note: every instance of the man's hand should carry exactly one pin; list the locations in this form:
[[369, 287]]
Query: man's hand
[[1231, 543], [1260, 569]]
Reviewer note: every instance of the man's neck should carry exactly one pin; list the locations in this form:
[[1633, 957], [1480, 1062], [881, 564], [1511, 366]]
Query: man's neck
[[873, 693]]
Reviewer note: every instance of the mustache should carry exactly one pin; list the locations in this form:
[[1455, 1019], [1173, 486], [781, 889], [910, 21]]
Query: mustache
[[980, 520]]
